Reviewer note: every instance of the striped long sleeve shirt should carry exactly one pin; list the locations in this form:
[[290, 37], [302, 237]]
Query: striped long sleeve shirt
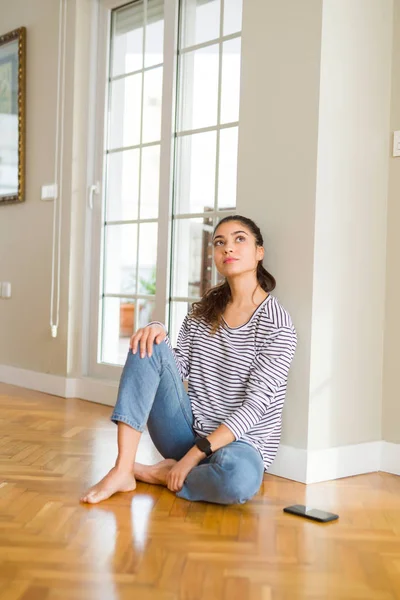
[[238, 376]]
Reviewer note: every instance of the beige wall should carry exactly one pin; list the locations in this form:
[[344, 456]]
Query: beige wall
[[391, 397], [350, 225], [26, 230], [281, 47]]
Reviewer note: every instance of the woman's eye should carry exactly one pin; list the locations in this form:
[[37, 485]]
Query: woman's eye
[[240, 237]]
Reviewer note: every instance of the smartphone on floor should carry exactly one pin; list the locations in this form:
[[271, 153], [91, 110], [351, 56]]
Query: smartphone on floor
[[311, 513]]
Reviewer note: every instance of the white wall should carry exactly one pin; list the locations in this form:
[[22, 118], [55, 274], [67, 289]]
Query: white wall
[[277, 166], [313, 161], [82, 124], [350, 224], [391, 403]]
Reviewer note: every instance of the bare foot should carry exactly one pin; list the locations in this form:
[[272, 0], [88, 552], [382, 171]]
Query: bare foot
[[154, 473], [115, 481]]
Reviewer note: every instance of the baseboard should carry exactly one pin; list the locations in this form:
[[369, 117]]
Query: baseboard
[[343, 461], [33, 380], [390, 458], [296, 464], [334, 463], [95, 390], [290, 463]]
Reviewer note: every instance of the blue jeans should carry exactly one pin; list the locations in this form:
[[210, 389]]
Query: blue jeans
[[151, 392]]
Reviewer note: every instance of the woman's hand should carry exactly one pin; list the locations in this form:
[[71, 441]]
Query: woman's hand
[[177, 475], [145, 338]]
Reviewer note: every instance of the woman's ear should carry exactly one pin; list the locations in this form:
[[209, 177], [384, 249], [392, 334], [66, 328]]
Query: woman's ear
[[260, 252]]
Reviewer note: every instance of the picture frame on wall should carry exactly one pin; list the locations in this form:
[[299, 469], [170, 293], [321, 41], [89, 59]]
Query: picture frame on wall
[[12, 116]]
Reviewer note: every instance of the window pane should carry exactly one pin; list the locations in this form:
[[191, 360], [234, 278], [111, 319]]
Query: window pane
[[122, 194], [147, 258], [228, 150], [118, 315], [230, 92], [232, 16], [150, 182], [199, 88], [199, 21], [152, 98], [120, 259], [179, 310], [146, 312], [125, 111], [154, 33], [196, 156], [193, 257], [127, 41]]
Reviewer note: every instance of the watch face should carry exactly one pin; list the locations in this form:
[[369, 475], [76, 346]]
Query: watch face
[[204, 445]]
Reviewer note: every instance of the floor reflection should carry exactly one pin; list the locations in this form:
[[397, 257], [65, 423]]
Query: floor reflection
[[140, 512], [119, 534]]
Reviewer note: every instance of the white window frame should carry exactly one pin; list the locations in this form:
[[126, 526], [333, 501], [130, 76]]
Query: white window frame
[[94, 367], [216, 214]]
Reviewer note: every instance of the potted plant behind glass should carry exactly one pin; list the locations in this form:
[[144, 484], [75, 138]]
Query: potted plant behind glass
[[126, 317], [148, 286], [127, 306]]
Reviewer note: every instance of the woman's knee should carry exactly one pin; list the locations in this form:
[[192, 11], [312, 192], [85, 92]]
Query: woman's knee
[[241, 479], [159, 354], [241, 487]]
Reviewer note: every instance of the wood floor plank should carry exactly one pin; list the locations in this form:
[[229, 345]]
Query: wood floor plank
[[150, 545]]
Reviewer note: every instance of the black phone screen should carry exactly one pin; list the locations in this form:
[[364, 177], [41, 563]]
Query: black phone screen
[[310, 513]]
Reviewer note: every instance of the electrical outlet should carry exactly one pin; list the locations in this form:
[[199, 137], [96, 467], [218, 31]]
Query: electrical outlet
[[396, 143], [6, 289]]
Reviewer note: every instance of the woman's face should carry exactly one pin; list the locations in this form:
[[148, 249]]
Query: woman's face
[[235, 250]]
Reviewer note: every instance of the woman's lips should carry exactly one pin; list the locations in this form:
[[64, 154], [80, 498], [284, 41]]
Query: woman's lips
[[229, 260]]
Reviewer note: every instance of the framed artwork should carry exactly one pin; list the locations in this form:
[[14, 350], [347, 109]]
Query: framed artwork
[[12, 116]]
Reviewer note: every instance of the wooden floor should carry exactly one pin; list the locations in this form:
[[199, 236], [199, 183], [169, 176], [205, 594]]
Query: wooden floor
[[150, 545]]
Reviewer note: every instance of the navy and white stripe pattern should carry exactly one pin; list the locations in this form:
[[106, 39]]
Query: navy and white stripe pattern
[[238, 376]]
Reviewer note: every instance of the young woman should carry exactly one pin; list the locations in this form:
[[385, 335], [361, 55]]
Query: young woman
[[235, 346]]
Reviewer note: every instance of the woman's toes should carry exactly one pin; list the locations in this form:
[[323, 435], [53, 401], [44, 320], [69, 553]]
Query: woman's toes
[[96, 497], [112, 483]]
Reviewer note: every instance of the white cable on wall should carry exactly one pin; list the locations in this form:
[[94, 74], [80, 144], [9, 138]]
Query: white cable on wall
[[58, 170]]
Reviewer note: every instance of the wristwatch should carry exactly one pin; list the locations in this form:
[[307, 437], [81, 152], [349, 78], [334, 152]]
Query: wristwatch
[[204, 445]]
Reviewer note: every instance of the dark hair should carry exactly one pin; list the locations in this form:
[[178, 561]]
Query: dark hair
[[214, 301]]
